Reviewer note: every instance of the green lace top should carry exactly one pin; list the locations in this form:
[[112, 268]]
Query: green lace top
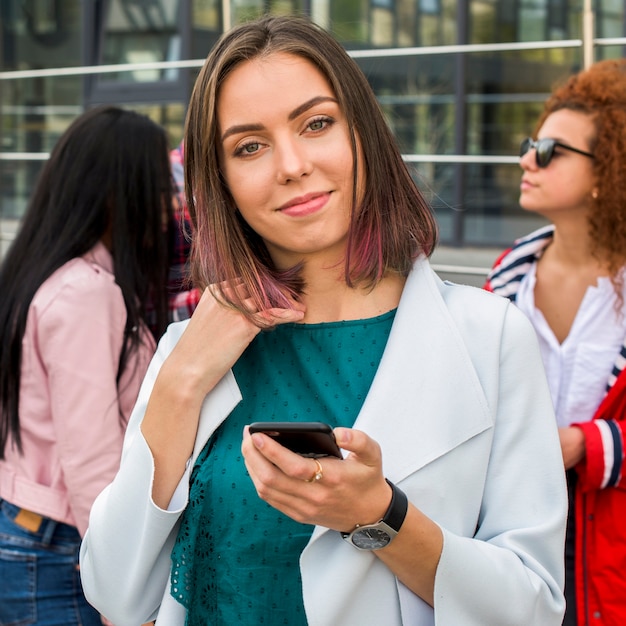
[[235, 560]]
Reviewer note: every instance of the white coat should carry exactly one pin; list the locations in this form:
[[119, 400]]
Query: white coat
[[462, 412]]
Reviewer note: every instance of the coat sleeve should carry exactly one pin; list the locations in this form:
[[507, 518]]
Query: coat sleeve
[[125, 554], [511, 570], [603, 464]]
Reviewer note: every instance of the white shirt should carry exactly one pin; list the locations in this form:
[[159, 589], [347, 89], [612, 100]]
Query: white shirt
[[578, 369]]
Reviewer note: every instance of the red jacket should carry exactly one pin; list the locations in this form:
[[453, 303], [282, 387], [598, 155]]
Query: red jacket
[[601, 515], [600, 498]]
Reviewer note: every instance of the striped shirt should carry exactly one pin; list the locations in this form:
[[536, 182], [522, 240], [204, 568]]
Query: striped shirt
[[604, 435]]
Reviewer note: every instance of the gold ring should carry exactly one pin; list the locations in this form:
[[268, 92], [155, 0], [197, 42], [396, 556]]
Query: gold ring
[[317, 474]]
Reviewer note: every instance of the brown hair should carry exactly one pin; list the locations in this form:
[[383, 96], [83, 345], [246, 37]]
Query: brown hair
[[600, 92], [390, 228]]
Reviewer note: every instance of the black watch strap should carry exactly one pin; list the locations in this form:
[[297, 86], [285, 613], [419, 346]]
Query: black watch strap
[[395, 513], [398, 507]]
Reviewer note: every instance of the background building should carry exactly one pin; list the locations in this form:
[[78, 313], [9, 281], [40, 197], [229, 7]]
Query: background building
[[461, 82]]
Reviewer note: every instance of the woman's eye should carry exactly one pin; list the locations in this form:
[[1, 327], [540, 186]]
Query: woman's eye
[[247, 148], [320, 123]]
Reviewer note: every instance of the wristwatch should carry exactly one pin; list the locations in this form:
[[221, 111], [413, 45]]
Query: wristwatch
[[381, 534]]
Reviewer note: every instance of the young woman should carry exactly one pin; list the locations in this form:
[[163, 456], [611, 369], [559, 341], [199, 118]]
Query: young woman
[[568, 278], [90, 255], [448, 505]]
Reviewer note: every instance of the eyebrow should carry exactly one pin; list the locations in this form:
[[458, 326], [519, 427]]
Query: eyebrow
[[299, 110]]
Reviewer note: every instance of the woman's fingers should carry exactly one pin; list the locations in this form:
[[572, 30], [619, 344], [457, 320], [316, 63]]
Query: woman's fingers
[[330, 492], [263, 318]]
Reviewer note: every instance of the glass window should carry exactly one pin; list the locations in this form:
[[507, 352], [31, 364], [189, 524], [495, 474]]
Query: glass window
[[206, 26], [504, 98], [557, 19], [244, 10], [36, 34], [141, 31], [406, 23], [609, 18], [35, 112], [492, 214], [383, 31], [438, 106], [484, 25], [430, 7], [417, 97], [532, 20], [136, 32], [398, 23]]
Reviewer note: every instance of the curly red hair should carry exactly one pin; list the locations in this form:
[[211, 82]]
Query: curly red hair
[[600, 92]]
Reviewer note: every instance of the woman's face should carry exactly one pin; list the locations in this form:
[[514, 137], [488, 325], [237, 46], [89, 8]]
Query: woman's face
[[566, 184], [286, 157]]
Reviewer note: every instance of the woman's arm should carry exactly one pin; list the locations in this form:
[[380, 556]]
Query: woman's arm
[[573, 446], [603, 452], [212, 342], [125, 555]]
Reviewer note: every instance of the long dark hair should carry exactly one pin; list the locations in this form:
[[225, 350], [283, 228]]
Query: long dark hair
[[393, 224], [107, 176]]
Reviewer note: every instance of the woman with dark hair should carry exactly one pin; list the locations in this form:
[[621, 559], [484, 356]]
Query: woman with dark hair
[[307, 223], [90, 258], [568, 278]]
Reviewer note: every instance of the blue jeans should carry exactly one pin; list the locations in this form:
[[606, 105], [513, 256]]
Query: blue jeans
[[39, 573]]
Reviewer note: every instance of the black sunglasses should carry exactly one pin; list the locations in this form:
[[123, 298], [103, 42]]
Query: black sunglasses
[[545, 150]]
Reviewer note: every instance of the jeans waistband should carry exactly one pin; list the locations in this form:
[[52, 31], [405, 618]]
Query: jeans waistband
[[43, 527]]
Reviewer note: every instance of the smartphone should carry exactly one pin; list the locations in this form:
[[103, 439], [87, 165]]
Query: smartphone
[[310, 439]]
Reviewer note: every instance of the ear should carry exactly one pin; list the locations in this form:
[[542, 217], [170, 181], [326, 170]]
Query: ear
[[594, 193]]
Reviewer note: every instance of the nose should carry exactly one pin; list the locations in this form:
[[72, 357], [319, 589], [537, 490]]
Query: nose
[[529, 160], [292, 160]]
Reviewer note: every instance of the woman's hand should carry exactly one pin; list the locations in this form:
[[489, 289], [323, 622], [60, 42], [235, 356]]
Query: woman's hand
[[351, 491], [572, 446], [213, 340]]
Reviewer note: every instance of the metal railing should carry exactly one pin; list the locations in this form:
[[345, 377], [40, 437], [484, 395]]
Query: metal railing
[[356, 54], [587, 44]]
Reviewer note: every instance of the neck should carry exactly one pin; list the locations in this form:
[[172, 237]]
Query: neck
[[572, 246], [329, 299]]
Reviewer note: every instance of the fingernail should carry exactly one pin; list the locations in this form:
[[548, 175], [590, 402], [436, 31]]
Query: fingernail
[[343, 435]]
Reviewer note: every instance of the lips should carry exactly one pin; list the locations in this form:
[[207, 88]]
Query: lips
[[305, 205]]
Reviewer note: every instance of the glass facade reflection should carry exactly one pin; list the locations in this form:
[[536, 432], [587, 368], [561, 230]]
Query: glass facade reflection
[[141, 32], [460, 82]]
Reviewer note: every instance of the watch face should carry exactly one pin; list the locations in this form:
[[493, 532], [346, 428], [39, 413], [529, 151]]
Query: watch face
[[370, 538]]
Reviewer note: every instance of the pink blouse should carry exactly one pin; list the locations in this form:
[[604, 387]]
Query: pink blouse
[[70, 402]]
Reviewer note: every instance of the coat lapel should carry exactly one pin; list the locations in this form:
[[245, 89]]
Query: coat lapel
[[426, 372], [217, 406]]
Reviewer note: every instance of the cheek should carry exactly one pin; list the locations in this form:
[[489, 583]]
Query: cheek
[[246, 186], [241, 189], [577, 184], [346, 159]]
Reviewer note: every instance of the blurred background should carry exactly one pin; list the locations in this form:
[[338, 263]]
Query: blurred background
[[461, 82]]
